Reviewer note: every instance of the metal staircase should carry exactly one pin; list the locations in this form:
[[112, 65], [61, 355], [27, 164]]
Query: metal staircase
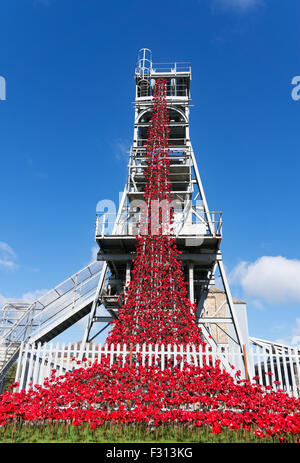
[[48, 316]]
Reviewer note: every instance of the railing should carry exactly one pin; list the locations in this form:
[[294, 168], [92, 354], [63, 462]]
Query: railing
[[62, 301], [131, 223], [173, 142], [10, 316], [140, 151], [275, 362], [50, 304], [176, 158], [145, 90], [168, 67], [36, 362], [68, 297]]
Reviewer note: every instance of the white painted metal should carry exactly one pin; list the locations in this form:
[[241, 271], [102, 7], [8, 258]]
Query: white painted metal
[[195, 224], [100, 286], [37, 361], [282, 361], [50, 314]]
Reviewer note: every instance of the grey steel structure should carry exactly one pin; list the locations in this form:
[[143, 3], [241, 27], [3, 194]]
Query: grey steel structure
[[95, 290], [198, 230]]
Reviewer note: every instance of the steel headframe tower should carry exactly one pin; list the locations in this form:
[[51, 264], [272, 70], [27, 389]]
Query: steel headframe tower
[[198, 230]]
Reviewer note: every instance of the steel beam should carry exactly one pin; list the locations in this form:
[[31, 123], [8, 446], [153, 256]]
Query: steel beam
[[214, 320], [199, 258], [103, 319]]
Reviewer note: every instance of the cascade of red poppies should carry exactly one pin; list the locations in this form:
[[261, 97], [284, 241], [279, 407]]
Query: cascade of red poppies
[[157, 308]]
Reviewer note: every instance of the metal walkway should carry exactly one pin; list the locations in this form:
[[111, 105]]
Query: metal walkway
[[48, 316]]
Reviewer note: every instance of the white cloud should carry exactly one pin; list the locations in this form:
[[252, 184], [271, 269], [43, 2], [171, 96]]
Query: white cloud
[[120, 149], [294, 338], [3, 299], [8, 263], [30, 296], [6, 248], [271, 279], [7, 256], [240, 5]]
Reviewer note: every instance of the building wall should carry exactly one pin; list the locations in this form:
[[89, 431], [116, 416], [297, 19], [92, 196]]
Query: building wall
[[216, 299]]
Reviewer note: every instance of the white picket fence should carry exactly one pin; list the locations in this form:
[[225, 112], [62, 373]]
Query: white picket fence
[[36, 362]]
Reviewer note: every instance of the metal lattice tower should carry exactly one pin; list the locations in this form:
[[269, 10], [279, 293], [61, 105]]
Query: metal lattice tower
[[96, 290], [198, 230]]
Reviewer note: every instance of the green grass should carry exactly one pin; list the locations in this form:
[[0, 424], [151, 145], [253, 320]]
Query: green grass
[[67, 433], [10, 377]]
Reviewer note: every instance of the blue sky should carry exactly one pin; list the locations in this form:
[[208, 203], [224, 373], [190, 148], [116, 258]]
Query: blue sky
[[67, 123]]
